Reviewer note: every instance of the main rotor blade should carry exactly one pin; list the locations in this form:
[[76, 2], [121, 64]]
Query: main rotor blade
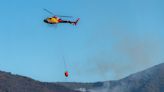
[[64, 16], [48, 11], [56, 15]]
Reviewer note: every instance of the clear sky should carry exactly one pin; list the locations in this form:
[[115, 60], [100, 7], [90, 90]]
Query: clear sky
[[113, 39]]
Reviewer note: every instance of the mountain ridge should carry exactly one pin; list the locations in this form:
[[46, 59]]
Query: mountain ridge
[[149, 80], [16, 83]]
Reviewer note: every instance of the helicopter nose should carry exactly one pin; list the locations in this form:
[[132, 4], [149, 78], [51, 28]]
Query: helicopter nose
[[45, 21]]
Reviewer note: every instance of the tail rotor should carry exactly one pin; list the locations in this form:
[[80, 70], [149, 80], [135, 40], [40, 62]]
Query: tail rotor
[[75, 23]]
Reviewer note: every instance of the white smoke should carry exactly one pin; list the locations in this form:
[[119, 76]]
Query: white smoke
[[122, 87], [104, 88]]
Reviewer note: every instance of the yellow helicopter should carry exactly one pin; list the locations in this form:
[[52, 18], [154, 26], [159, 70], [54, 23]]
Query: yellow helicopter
[[56, 19]]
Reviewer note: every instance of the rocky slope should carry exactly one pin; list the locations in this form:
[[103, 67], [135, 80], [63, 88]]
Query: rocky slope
[[16, 83]]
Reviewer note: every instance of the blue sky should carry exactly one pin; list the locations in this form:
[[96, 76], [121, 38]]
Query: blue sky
[[113, 39]]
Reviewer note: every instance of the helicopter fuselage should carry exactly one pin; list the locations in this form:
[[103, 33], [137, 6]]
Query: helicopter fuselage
[[52, 20]]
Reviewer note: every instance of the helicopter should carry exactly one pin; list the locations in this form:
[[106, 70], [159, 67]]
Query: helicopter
[[56, 19]]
